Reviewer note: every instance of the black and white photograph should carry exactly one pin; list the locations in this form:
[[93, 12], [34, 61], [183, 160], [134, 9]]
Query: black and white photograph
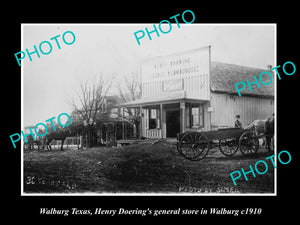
[[170, 109], [150, 112]]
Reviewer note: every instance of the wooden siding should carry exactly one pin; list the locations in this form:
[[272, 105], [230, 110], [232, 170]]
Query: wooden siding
[[196, 86], [188, 71], [153, 133], [226, 106], [152, 88], [149, 133]]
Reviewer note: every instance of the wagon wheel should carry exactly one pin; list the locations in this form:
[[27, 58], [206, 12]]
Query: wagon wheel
[[248, 143], [193, 146], [228, 146]]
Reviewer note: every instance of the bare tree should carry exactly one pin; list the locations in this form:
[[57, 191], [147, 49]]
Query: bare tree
[[130, 90], [90, 99]]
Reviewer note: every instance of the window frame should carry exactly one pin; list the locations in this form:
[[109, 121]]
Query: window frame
[[150, 119], [189, 117]]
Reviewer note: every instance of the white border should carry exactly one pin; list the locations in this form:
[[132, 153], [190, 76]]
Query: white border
[[152, 194], [22, 111]]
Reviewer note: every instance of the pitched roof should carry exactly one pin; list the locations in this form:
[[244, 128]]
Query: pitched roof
[[224, 76]]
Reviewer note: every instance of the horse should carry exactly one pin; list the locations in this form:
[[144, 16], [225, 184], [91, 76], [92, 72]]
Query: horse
[[263, 127], [59, 134]]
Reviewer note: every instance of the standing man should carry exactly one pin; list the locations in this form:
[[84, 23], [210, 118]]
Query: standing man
[[237, 122], [269, 132]]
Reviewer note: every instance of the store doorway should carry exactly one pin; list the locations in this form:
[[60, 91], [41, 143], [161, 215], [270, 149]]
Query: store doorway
[[173, 122]]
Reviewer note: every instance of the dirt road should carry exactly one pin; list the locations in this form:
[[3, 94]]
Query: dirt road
[[140, 168]]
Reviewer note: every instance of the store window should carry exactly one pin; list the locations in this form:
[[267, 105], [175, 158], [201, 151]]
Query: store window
[[153, 118], [195, 115]]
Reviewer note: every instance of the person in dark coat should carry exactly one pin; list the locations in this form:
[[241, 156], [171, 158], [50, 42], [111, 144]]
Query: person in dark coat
[[269, 131], [237, 122]]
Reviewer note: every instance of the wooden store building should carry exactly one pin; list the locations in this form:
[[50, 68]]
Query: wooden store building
[[188, 91]]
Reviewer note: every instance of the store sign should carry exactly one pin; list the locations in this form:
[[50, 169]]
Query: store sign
[[173, 85], [188, 71]]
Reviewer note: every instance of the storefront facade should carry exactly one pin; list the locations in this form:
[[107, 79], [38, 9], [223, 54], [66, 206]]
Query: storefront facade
[[178, 95]]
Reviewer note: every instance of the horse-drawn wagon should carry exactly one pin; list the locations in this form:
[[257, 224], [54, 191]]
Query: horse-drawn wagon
[[195, 145]]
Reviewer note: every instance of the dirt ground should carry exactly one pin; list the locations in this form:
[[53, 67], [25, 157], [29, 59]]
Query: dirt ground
[[142, 168]]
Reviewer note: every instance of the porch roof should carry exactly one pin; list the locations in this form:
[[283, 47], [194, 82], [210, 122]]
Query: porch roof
[[168, 97]]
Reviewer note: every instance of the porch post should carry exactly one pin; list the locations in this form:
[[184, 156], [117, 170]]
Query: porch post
[[183, 119], [123, 125], [160, 120], [141, 122]]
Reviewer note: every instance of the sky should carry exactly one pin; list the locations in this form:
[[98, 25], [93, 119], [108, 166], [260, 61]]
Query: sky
[[50, 82]]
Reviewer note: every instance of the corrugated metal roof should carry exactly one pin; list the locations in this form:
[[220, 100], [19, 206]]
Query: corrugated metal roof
[[224, 76]]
